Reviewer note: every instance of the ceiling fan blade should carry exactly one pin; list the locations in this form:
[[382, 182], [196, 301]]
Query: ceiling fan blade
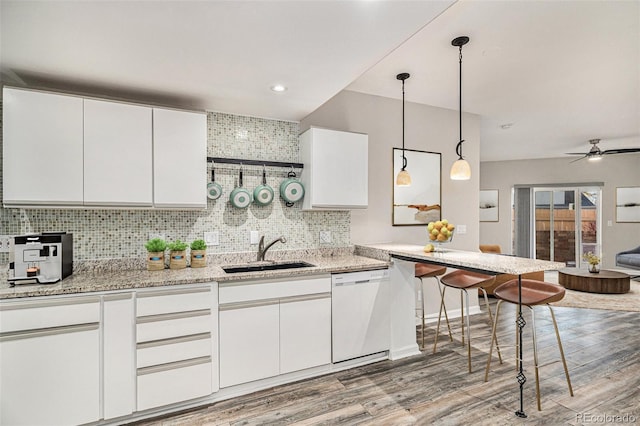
[[621, 151], [578, 159], [574, 153]]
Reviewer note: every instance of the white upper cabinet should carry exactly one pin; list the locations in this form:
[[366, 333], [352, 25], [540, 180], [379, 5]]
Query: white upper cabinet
[[117, 154], [66, 151], [335, 172], [42, 149], [179, 159]]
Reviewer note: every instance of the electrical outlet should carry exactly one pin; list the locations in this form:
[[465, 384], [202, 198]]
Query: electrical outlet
[[609, 223], [461, 229], [154, 234], [325, 237], [212, 238], [254, 237], [5, 243]]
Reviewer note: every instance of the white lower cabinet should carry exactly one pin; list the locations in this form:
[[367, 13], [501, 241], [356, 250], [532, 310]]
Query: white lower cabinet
[[305, 333], [176, 351], [50, 375], [118, 365], [248, 342], [286, 328]]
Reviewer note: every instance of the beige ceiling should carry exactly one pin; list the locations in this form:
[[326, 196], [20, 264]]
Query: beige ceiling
[[562, 72]]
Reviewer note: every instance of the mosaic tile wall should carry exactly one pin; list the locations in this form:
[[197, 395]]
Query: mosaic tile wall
[[117, 234]]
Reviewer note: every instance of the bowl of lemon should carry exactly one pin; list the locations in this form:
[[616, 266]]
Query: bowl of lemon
[[439, 232]]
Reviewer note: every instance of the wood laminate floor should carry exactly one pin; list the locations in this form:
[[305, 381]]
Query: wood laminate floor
[[602, 350]]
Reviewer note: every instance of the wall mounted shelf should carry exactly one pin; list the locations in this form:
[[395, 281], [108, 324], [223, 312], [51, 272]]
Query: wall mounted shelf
[[288, 165]]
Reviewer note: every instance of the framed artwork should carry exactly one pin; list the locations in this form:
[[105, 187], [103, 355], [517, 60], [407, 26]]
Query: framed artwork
[[489, 205], [419, 203], [628, 204]]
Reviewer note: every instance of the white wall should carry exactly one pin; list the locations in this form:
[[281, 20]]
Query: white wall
[[614, 170], [426, 128]]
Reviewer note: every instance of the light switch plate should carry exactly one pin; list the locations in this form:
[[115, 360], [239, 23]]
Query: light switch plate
[[254, 237], [5, 243], [462, 229], [212, 238]]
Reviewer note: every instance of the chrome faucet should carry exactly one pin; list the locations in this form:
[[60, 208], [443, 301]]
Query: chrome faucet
[[262, 250]]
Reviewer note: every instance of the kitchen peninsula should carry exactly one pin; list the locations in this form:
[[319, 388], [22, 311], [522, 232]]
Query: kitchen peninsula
[[402, 272]]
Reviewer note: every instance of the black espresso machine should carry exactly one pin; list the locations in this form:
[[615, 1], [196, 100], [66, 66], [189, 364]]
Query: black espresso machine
[[41, 258]]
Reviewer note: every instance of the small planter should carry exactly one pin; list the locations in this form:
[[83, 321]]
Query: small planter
[[155, 261], [178, 259], [198, 258], [594, 269]]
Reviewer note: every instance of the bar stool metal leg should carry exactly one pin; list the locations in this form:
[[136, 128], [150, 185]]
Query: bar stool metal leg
[[535, 355], [486, 301], [493, 337], [564, 362], [442, 308]]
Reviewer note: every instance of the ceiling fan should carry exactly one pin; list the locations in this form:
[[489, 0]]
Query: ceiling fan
[[595, 153]]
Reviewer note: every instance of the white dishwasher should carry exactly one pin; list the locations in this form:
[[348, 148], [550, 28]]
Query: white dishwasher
[[360, 308]]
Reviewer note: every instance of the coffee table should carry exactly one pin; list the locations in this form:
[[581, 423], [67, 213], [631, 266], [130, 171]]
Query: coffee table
[[610, 282]]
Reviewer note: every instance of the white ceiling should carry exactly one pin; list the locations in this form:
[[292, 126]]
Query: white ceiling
[[562, 72]]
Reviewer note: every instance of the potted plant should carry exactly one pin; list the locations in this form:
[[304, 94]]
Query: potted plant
[[198, 254], [177, 255], [155, 256], [594, 262]]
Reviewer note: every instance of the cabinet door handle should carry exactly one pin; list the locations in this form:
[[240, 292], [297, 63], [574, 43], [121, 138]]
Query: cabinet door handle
[[56, 302], [52, 331], [305, 297], [173, 316], [155, 293], [172, 340], [173, 365], [251, 304]]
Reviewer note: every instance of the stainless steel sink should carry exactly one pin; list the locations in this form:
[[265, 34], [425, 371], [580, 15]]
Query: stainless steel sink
[[253, 267]]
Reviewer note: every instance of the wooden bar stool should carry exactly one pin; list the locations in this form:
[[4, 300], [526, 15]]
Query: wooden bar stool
[[425, 270], [465, 280], [533, 293]]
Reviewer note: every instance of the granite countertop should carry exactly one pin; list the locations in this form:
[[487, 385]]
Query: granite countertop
[[464, 259], [96, 279]]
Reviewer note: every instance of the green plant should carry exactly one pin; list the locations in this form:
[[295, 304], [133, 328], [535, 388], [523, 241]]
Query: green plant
[[198, 245], [156, 245], [591, 258], [177, 245]]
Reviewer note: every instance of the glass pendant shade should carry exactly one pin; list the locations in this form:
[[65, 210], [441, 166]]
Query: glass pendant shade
[[460, 170], [403, 178]]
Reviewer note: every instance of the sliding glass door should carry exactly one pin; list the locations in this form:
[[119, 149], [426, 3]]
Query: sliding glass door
[[566, 223]]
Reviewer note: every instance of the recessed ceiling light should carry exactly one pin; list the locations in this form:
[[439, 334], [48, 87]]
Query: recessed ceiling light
[[278, 88], [506, 126]]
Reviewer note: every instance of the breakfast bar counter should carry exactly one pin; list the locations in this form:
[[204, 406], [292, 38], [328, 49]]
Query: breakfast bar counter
[[402, 273]]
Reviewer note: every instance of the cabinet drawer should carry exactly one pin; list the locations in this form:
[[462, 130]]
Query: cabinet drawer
[[172, 350], [158, 327], [272, 289], [169, 384], [29, 315], [158, 302]]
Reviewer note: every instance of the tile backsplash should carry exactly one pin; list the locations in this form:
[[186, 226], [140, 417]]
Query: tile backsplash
[[121, 234]]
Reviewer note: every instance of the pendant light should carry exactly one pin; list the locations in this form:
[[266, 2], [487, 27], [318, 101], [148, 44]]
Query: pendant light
[[403, 178], [460, 169]]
